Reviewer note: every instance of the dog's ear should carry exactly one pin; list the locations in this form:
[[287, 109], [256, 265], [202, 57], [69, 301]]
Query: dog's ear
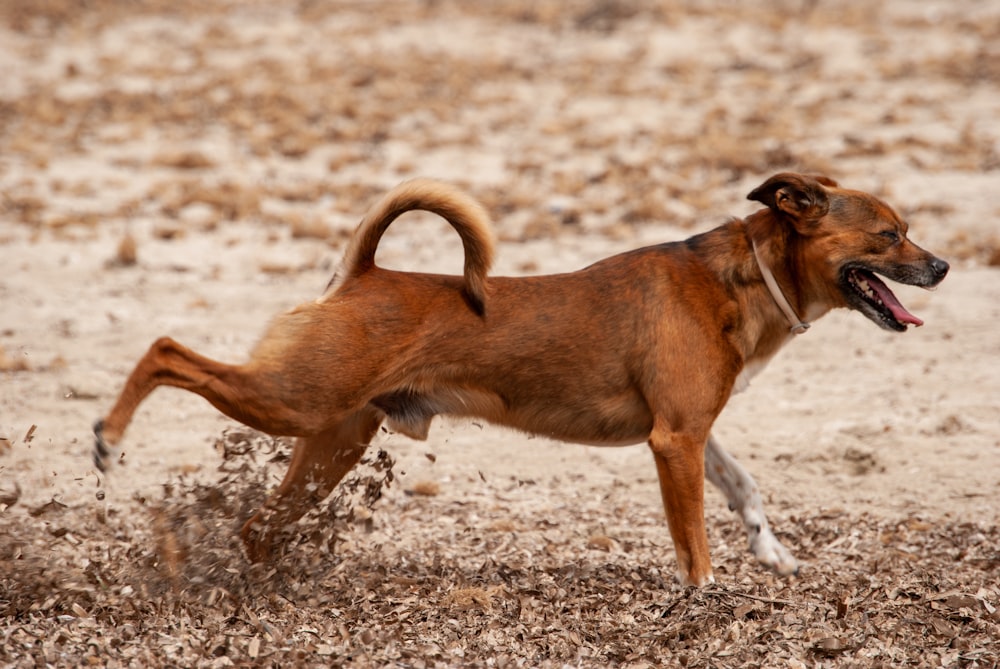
[[801, 197]]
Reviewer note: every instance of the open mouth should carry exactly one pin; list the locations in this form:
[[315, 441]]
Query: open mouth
[[868, 294]]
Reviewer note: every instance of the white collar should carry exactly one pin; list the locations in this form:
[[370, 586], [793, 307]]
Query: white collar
[[798, 326]]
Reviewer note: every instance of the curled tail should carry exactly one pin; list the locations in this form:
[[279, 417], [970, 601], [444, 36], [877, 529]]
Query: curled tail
[[464, 214]]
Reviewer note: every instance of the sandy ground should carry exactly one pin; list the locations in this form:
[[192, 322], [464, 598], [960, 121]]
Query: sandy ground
[[234, 147]]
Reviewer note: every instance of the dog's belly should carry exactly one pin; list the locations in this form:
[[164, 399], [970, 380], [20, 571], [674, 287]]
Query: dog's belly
[[616, 420]]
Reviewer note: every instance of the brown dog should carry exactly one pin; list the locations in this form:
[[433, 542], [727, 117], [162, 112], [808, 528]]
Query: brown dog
[[643, 346]]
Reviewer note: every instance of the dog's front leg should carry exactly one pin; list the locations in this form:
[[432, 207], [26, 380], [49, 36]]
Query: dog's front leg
[[681, 468], [726, 474]]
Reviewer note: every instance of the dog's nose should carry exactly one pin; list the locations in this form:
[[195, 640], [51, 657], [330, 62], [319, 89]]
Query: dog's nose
[[939, 267]]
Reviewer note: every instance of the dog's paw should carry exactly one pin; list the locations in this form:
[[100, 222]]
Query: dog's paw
[[102, 452], [256, 539], [772, 553], [689, 581]]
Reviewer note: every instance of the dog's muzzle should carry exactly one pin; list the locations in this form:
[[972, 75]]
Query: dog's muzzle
[[867, 293]]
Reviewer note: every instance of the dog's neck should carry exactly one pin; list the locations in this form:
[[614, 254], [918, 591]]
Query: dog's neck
[[798, 326]]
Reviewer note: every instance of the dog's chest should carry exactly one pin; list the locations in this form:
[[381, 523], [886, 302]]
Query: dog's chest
[[750, 370]]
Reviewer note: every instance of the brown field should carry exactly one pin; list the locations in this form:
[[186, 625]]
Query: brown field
[[190, 169]]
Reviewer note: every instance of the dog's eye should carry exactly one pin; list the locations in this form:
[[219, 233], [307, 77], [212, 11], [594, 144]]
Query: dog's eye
[[891, 235]]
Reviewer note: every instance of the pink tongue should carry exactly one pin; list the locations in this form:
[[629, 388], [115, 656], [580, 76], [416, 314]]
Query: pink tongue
[[899, 312]]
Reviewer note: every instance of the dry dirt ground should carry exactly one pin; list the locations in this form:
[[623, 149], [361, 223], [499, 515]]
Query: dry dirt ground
[[190, 169]]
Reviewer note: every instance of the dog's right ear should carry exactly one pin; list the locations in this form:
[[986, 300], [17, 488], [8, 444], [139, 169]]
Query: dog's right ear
[[799, 196]]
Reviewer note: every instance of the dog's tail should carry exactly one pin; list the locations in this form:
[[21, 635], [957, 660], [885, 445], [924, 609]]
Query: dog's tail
[[464, 214]]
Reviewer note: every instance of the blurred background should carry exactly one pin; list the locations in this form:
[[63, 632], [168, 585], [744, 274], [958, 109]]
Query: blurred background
[[600, 116]]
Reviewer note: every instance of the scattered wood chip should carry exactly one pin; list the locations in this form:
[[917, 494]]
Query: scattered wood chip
[[425, 489]]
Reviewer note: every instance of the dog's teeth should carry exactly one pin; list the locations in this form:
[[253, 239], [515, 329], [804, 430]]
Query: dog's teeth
[[865, 288]]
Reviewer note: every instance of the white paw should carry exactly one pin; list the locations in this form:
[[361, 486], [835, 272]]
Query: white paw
[[686, 580], [771, 553]]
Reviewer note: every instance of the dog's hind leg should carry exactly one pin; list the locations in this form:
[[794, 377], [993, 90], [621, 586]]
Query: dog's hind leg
[[327, 448], [240, 392], [317, 466], [726, 474]]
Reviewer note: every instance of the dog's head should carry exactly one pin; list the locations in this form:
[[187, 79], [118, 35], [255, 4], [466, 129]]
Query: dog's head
[[844, 239]]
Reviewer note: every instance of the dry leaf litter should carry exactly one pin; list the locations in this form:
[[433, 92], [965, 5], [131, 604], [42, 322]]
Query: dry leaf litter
[[512, 575]]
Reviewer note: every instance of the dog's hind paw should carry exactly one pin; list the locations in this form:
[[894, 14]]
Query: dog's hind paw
[[102, 452], [772, 553]]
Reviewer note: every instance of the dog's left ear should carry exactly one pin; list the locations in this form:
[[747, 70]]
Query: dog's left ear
[[799, 196]]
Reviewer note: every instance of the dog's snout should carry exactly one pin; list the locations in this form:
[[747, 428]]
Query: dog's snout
[[939, 268]]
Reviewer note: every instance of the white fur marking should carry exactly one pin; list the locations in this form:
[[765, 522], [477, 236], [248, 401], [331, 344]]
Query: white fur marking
[[741, 490]]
